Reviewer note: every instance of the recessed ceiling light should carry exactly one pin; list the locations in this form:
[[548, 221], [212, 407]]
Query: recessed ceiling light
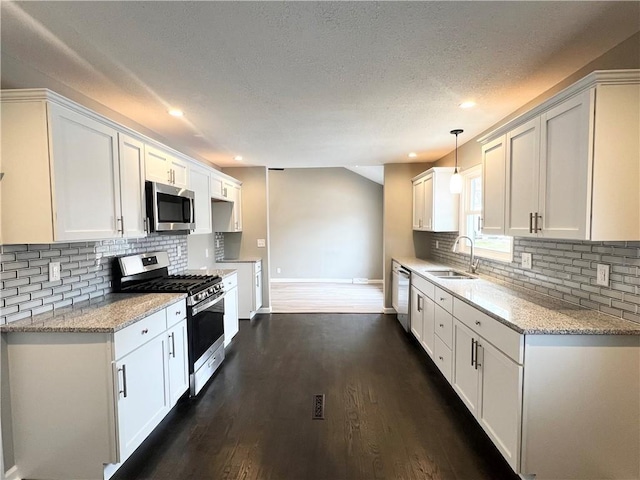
[[412, 155], [238, 158], [174, 112], [467, 104]]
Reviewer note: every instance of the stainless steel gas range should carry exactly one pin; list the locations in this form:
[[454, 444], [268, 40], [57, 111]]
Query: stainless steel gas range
[[149, 272]]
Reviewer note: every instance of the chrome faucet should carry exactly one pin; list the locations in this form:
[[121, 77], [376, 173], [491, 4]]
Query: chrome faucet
[[473, 265]]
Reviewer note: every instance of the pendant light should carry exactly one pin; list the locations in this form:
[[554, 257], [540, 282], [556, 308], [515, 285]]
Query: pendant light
[[455, 184]]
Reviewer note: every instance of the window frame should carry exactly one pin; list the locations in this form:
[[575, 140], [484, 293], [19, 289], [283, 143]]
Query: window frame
[[463, 246]]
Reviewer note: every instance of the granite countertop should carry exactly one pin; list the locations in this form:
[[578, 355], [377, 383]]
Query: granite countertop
[[106, 314], [521, 309], [222, 272], [241, 260]]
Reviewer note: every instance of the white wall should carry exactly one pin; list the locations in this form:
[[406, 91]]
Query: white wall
[[325, 223]]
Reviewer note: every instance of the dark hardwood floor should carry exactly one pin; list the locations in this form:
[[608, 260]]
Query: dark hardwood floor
[[389, 414]]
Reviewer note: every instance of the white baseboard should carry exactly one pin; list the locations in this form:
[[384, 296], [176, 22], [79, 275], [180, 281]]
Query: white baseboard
[[388, 310], [361, 281], [264, 310]]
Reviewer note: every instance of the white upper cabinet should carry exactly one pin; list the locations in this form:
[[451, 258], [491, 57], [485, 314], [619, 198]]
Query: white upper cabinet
[[572, 164], [227, 213], [164, 167], [65, 178], [132, 172], [435, 208], [199, 183], [523, 152], [493, 188]]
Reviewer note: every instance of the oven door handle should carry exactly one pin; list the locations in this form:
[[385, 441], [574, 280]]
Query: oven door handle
[[198, 308]]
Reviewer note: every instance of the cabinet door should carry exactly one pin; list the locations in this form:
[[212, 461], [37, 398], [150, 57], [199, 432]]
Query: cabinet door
[[428, 325], [142, 394], [158, 166], [180, 172], [493, 186], [199, 183], [465, 373], [258, 291], [178, 363], [86, 182], [418, 204], [237, 207], [564, 203], [523, 148], [428, 203], [132, 174], [231, 325], [217, 186], [417, 304], [500, 409]]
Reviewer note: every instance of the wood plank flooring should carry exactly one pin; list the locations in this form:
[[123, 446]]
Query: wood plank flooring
[[389, 414], [326, 298]]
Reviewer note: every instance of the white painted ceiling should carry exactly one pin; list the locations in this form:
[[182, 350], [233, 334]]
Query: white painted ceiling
[[308, 84]]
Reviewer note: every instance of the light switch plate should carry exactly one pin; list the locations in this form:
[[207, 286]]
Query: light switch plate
[[54, 271], [206, 253], [262, 243], [179, 251], [526, 260], [278, 270], [437, 244], [602, 275]]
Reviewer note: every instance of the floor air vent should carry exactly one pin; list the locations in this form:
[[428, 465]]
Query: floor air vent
[[318, 407]]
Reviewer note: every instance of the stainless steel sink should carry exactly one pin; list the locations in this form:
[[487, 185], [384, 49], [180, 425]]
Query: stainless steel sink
[[450, 274]]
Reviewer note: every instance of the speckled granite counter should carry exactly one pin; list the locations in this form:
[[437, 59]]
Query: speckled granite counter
[[241, 260], [523, 310], [107, 314], [222, 272]]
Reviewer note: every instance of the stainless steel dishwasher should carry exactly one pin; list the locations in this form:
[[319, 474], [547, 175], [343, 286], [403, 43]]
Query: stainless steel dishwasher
[[400, 293]]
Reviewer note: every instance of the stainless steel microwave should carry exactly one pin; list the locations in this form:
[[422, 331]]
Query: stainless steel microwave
[[169, 208]]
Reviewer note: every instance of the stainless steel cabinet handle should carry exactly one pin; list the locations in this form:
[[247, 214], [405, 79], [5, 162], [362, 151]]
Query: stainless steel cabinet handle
[[178, 312], [124, 381], [441, 358], [122, 224], [479, 220], [530, 222], [145, 331], [442, 325], [173, 344], [420, 303], [478, 322], [477, 345], [145, 224], [473, 351], [169, 173], [536, 228]]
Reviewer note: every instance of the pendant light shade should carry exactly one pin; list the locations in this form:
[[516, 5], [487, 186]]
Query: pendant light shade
[[455, 184]]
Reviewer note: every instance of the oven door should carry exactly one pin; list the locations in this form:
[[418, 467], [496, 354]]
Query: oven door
[[170, 208], [205, 327]]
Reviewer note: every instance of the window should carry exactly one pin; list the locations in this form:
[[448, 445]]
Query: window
[[496, 247]]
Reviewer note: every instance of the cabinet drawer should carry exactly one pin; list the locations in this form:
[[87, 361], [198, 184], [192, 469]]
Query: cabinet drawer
[[442, 356], [502, 337], [230, 281], [444, 299], [133, 336], [176, 312], [444, 326], [423, 285]]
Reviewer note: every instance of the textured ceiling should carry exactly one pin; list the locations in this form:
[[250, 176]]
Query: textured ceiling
[[292, 84]]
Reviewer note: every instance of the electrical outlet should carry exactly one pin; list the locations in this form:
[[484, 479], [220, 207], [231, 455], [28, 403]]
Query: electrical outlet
[[206, 253], [278, 270], [262, 243], [526, 260], [54, 271], [602, 275], [437, 244], [217, 243]]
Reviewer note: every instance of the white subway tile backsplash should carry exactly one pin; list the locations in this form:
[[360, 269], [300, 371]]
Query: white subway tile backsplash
[[565, 269], [85, 271]]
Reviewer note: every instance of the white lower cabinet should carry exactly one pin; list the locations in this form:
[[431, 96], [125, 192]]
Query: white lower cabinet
[[249, 286], [555, 406], [231, 325], [422, 315], [92, 398]]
